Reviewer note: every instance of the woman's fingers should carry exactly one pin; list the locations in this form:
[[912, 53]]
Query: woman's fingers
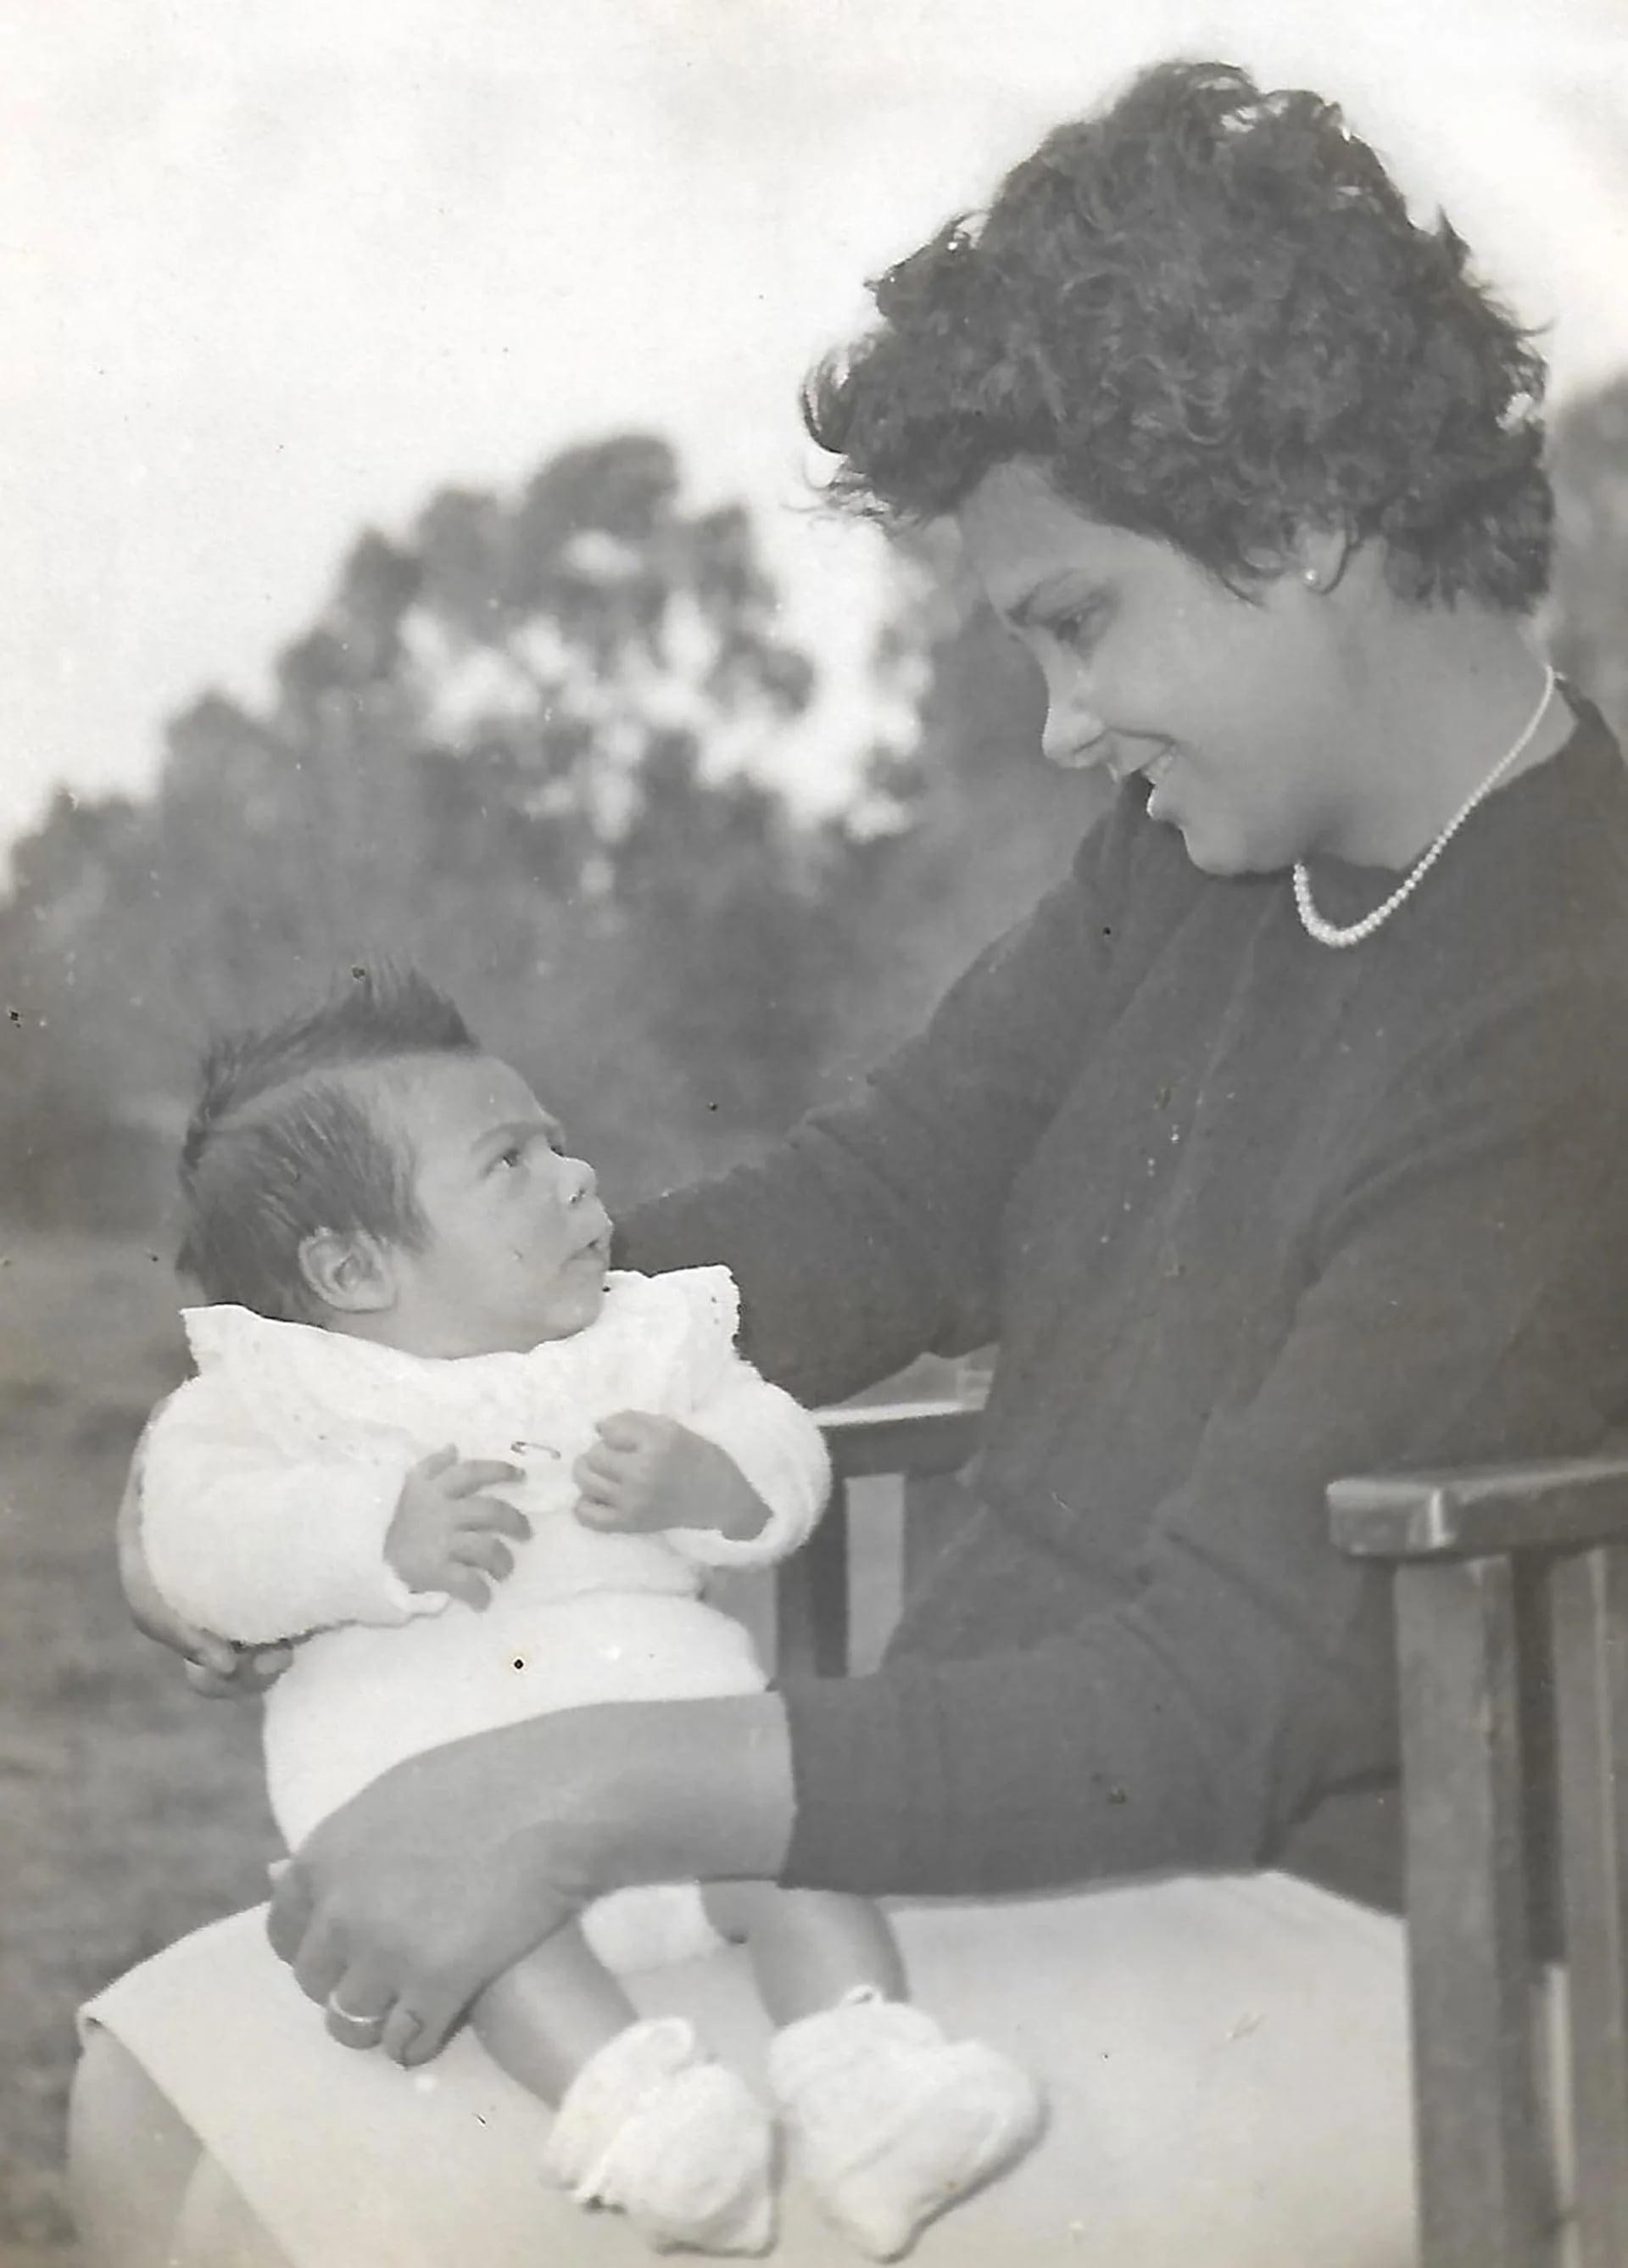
[[292, 1905], [403, 2030], [211, 1656], [321, 1960], [223, 1672], [428, 2026], [358, 2005]]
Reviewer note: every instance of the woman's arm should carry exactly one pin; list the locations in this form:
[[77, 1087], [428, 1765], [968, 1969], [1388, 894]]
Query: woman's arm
[[448, 1869], [871, 1235], [1466, 1306]]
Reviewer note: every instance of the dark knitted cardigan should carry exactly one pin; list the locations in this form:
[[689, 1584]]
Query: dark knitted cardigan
[[1243, 1214]]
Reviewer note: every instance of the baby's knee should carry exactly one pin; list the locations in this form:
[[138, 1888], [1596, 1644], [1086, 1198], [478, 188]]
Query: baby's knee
[[739, 1911], [809, 1948]]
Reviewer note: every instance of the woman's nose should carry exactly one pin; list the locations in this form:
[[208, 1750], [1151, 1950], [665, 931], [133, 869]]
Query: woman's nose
[[1073, 728], [1074, 736]]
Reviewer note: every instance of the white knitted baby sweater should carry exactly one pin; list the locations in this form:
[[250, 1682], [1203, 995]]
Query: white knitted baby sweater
[[270, 1479]]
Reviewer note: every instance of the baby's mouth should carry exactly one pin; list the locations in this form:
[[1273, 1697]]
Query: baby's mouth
[[597, 1247]]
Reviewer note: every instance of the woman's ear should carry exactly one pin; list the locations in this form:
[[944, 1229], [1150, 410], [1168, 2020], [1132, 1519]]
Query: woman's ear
[[352, 1275], [1319, 557]]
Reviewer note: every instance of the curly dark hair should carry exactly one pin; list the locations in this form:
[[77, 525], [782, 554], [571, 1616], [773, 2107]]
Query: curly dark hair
[[279, 1148], [1207, 315]]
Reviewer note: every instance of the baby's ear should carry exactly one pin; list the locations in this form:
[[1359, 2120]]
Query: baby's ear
[[350, 1274]]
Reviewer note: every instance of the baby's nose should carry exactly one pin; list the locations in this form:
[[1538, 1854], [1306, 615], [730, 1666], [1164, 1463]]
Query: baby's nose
[[580, 1180]]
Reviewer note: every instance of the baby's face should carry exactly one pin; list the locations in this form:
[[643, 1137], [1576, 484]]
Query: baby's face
[[518, 1243]]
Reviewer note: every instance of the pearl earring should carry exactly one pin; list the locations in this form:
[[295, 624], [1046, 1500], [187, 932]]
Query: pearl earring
[[1310, 578]]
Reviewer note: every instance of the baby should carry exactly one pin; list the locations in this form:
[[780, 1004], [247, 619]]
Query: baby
[[412, 1305]]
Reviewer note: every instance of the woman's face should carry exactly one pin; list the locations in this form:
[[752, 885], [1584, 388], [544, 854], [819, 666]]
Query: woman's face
[[1235, 710]]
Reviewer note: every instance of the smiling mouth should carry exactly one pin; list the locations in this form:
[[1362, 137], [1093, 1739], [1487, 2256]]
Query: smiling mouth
[[1153, 769]]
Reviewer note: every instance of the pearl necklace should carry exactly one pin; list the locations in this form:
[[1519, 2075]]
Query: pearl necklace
[[1327, 933]]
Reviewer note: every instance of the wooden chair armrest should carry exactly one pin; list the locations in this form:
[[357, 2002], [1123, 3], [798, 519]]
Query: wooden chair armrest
[[1561, 1505], [899, 1437]]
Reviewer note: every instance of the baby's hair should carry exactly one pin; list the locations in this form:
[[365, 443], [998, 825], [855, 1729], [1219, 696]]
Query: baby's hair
[[280, 1147], [1206, 314]]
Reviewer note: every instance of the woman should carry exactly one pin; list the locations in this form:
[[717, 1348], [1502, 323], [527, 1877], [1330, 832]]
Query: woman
[[1281, 1141]]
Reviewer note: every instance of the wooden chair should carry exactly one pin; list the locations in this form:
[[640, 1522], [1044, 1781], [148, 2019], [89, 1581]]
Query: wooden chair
[[1511, 1593], [1512, 1638]]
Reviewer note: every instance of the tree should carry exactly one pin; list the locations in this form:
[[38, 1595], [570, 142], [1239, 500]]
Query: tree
[[516, 749]]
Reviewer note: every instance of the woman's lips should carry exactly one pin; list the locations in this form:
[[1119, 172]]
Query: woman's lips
[[1124, 765]]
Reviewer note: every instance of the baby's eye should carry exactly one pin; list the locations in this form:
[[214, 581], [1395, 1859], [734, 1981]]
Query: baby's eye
[[514, 1155]]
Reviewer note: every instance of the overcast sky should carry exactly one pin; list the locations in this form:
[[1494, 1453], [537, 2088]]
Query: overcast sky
[[271, 269]]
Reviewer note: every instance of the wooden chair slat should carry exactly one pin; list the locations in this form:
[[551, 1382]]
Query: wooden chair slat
[[1589, 1609], [1482, 2191], [812, 1598], [1559, 1505], [866, 1441]]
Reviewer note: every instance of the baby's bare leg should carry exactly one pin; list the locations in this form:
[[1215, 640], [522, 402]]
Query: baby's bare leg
[[546, 2017], [809, 1947]]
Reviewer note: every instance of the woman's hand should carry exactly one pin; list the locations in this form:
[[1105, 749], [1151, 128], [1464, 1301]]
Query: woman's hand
[[445, 1871], [405, 1902], [216, 1667]]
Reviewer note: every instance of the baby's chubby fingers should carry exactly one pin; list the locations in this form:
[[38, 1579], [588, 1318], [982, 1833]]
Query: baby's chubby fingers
[[629, 1450], [630, 1432], [465, 1584], [601, 1472], [488, 1553], [493, 1515], [613, 1489], [467, 1477]]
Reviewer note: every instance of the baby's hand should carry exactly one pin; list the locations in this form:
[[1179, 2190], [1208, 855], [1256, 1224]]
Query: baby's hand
[[649, 1473], [446, 1535]]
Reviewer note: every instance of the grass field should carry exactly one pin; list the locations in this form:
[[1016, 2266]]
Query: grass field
[[129, 1810]]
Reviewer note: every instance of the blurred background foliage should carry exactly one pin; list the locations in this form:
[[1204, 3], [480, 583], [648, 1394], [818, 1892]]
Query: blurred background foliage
[[532, 748]]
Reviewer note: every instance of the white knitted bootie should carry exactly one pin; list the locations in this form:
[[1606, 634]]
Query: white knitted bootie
[[891, 2123], [681, 2146]]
